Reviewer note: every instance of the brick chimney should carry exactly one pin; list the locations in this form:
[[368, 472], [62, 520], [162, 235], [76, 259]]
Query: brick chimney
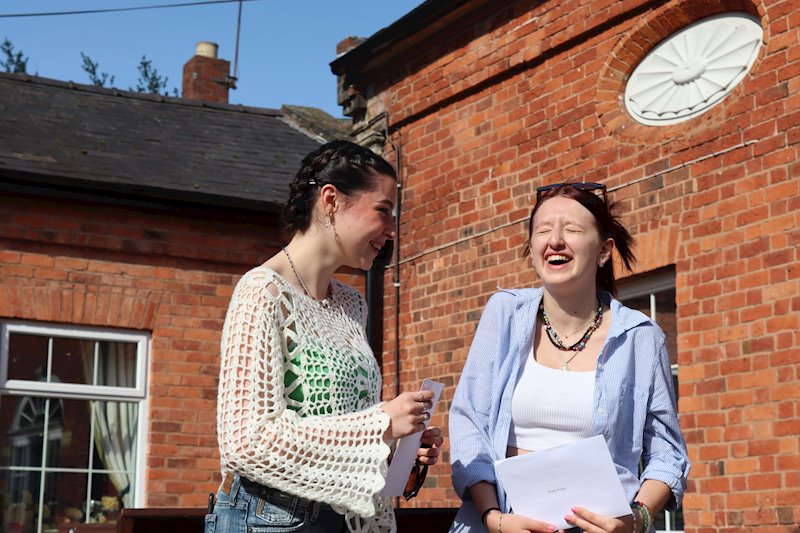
[[348, 94], [205, 77], [347, 44]]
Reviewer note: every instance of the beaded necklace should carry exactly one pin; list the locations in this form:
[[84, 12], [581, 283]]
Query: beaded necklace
[[578, 346]]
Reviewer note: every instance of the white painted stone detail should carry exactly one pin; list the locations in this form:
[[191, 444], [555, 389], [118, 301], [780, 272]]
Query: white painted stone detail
[[693, 69]]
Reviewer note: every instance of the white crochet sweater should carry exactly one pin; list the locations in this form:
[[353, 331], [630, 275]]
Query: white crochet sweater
[[299, 391]]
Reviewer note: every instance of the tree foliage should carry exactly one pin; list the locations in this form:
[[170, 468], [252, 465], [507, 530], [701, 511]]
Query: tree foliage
[[14, 61], [150, 81], [90, 67]]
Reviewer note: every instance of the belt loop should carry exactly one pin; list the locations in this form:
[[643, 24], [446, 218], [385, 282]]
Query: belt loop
[[315, 511], [234, 490], [225, 487]]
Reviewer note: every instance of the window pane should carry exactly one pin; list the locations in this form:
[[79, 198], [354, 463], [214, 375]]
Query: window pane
[[659, 521], [21, 430], [112, 443], [640, 303], [18, 510], [65, 497], [117, 364], [72, 361], [667, 319], [115, 438], [675, 520], [72, 437], [105, 502], [665, 316], [27, 357]]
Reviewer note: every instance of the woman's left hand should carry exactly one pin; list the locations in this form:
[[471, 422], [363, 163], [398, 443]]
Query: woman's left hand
[[432, 439], [595, 523]]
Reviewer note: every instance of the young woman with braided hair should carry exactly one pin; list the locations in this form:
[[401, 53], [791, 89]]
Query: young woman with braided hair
[[564, 362], [304, 439]]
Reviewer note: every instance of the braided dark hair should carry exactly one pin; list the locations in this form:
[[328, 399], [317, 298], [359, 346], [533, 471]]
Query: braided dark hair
[[351, 168], [607, 224]]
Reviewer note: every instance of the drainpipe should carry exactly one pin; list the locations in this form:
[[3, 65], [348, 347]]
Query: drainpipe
[[375, 275], [396, 245]]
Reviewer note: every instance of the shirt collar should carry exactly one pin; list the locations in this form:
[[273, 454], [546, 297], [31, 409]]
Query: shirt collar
[[623, 318]]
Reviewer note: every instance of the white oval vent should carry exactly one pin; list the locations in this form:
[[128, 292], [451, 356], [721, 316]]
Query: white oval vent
[[693, 69]]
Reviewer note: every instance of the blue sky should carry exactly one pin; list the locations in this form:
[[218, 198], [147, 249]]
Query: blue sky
[[285, 46]]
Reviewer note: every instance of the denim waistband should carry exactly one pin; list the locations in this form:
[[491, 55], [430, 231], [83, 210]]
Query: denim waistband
[[233, 483]]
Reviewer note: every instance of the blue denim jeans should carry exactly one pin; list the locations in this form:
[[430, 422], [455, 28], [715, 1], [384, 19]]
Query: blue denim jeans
[[243, 506]]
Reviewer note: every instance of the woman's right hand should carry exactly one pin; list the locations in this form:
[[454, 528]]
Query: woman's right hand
[[408, 413], [513, 523]]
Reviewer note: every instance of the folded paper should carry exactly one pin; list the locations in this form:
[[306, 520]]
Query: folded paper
[[545, 485]]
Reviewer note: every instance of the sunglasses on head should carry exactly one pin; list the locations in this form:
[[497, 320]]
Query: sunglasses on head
[[586, 186]]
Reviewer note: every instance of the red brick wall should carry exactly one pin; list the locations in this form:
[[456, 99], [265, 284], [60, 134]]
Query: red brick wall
[[167, 272], [507, 99]]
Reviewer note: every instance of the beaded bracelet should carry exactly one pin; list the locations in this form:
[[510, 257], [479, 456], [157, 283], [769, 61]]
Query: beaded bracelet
[[633, 515], [646, 517], [486, 513]]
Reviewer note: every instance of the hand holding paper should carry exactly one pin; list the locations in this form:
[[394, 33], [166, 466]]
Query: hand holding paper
[[407, 447], [546, 484]]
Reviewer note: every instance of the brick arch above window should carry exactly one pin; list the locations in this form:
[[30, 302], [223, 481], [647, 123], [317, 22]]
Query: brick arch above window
[[636, 44], [91, 305]]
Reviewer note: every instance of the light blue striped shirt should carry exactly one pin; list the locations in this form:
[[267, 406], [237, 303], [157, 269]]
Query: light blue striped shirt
[[634, 400]]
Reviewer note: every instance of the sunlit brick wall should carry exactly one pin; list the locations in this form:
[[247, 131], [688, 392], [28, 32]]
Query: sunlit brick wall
[[508, 98], [167, 272]]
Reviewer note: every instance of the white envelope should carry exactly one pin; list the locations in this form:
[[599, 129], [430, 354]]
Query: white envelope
[[545, 485], [406, 452]]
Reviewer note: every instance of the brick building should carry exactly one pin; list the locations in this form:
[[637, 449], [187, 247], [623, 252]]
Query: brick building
[[480, 102], [125, 221]]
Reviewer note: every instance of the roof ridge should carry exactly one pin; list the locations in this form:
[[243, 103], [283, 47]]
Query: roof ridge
[[121, 93]]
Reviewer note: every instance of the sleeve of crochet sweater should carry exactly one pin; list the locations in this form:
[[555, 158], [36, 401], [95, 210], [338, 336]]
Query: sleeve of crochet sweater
[[339, 460]]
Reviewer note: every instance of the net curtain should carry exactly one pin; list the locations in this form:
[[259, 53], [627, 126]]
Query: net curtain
[[114, 423]]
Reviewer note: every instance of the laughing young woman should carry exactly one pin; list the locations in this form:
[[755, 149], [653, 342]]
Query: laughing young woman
[[563, 362], [303, 437]]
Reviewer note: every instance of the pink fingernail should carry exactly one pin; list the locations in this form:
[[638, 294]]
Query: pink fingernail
[[551, 528]]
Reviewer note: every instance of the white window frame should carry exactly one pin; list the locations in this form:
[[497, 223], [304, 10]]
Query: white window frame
[[650, 285], [658, 282], [73, 390], [57, 390]]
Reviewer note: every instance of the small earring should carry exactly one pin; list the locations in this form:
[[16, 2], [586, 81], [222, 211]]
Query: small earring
[[327, 222]]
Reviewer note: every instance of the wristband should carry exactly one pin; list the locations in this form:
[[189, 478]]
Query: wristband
[[645, 511], [486, 513], [646, 517], [633, 515]]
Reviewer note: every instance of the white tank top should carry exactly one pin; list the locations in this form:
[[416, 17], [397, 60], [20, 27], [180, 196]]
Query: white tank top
[[550, 407]]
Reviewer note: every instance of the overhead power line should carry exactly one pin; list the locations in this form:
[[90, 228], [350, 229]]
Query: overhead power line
[[116, 10]]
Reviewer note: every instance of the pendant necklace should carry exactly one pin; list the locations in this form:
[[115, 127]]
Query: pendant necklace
[[324, 301], [578, 346]]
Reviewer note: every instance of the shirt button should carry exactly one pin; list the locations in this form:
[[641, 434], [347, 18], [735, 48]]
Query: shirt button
[[599, 366], [601, 410]]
